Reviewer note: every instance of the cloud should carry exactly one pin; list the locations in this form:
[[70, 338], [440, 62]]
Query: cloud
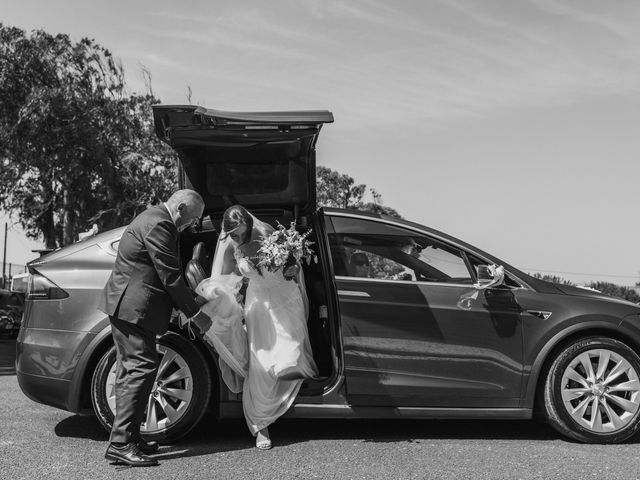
[[410, 61], [248, 29], [598, 18]]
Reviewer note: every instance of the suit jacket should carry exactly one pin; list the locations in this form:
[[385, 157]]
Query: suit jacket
[[147, 280]]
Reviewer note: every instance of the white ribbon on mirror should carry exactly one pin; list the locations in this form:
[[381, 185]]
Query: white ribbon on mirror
[[489, 276]]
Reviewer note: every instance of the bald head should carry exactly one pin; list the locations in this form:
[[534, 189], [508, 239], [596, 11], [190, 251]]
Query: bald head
[[186, 207], [186, 196]]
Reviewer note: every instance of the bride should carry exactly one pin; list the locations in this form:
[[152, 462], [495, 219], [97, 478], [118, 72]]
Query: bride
[[268, 357]]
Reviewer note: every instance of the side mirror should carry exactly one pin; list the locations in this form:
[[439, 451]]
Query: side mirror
[[489, 276]]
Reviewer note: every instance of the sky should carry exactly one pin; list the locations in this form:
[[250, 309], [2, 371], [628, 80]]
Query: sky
[[509, 124]]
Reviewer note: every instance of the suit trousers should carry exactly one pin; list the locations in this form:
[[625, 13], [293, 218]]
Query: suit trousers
[[136, 367]]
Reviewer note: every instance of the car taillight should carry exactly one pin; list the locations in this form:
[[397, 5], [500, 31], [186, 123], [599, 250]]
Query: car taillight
[[41, 288]]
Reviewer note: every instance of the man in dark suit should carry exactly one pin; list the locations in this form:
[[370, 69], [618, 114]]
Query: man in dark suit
[[139, 297]]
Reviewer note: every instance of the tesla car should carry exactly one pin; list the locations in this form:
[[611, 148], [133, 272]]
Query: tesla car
[[405, 321]]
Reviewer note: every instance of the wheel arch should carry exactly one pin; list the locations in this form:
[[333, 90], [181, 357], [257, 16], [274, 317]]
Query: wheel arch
[[536, 379], [80, 394]]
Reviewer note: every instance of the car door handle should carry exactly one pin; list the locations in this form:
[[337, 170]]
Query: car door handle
[[353, 293]]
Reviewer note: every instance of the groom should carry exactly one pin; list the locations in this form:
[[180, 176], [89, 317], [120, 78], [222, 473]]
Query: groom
[[145, 284]]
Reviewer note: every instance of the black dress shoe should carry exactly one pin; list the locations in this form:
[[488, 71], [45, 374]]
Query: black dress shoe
[[129, 454], [148, 448]]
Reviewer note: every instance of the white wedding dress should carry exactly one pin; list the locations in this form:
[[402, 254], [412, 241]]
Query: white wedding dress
[[269, 356]]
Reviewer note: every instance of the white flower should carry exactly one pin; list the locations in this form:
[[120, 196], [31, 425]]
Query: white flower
[[282, 245]]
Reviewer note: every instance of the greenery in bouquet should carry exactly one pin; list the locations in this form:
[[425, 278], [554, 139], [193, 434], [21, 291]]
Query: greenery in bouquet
[[285, 247]]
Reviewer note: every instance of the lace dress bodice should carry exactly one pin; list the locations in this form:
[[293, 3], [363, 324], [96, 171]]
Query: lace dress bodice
[[264, 279]]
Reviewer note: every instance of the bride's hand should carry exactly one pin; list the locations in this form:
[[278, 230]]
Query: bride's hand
[[291, 272]]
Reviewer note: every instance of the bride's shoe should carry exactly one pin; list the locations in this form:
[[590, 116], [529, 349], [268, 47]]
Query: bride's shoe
[[263, 442]]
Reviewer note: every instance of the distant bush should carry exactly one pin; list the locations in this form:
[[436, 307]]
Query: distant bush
[[614, 290], [553, 279], [626, 293]]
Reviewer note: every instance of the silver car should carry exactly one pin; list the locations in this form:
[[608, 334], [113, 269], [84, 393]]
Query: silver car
[[404, 321]]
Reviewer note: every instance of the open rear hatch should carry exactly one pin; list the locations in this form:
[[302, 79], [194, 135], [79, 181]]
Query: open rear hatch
[[261, 160]]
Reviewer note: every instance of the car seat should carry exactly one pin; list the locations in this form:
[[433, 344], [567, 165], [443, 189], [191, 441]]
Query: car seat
[[195, 272], [357, 258]]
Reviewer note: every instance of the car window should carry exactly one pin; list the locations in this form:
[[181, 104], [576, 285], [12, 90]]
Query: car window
[[370, 249]]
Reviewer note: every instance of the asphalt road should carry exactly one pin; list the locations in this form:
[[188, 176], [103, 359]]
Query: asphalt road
[[39, 442]]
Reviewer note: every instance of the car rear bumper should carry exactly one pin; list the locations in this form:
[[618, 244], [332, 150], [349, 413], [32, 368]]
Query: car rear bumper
[[46, 390], [47, 363]]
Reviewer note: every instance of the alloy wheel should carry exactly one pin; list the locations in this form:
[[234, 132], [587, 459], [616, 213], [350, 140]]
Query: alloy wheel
[[171, 395], [601, 390]]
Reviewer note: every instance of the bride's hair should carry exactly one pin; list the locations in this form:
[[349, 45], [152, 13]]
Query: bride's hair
[[234, 217]]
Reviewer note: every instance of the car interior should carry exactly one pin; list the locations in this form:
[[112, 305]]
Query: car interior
[[393, 258], [197, 248], [418, 258]]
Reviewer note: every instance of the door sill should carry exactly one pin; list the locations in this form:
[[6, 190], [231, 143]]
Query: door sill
[[302, 410]]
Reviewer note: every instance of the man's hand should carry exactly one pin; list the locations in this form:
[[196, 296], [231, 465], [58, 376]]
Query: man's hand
[[202, 322]]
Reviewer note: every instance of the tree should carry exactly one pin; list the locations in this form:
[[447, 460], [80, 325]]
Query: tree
[[377, 207], [338, 190], [75, 147], [335, 189]]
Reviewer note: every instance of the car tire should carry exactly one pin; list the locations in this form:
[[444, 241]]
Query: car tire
[[177, 405], [592, 391]]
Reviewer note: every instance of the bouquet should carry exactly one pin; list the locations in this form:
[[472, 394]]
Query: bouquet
[[283, 248]]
